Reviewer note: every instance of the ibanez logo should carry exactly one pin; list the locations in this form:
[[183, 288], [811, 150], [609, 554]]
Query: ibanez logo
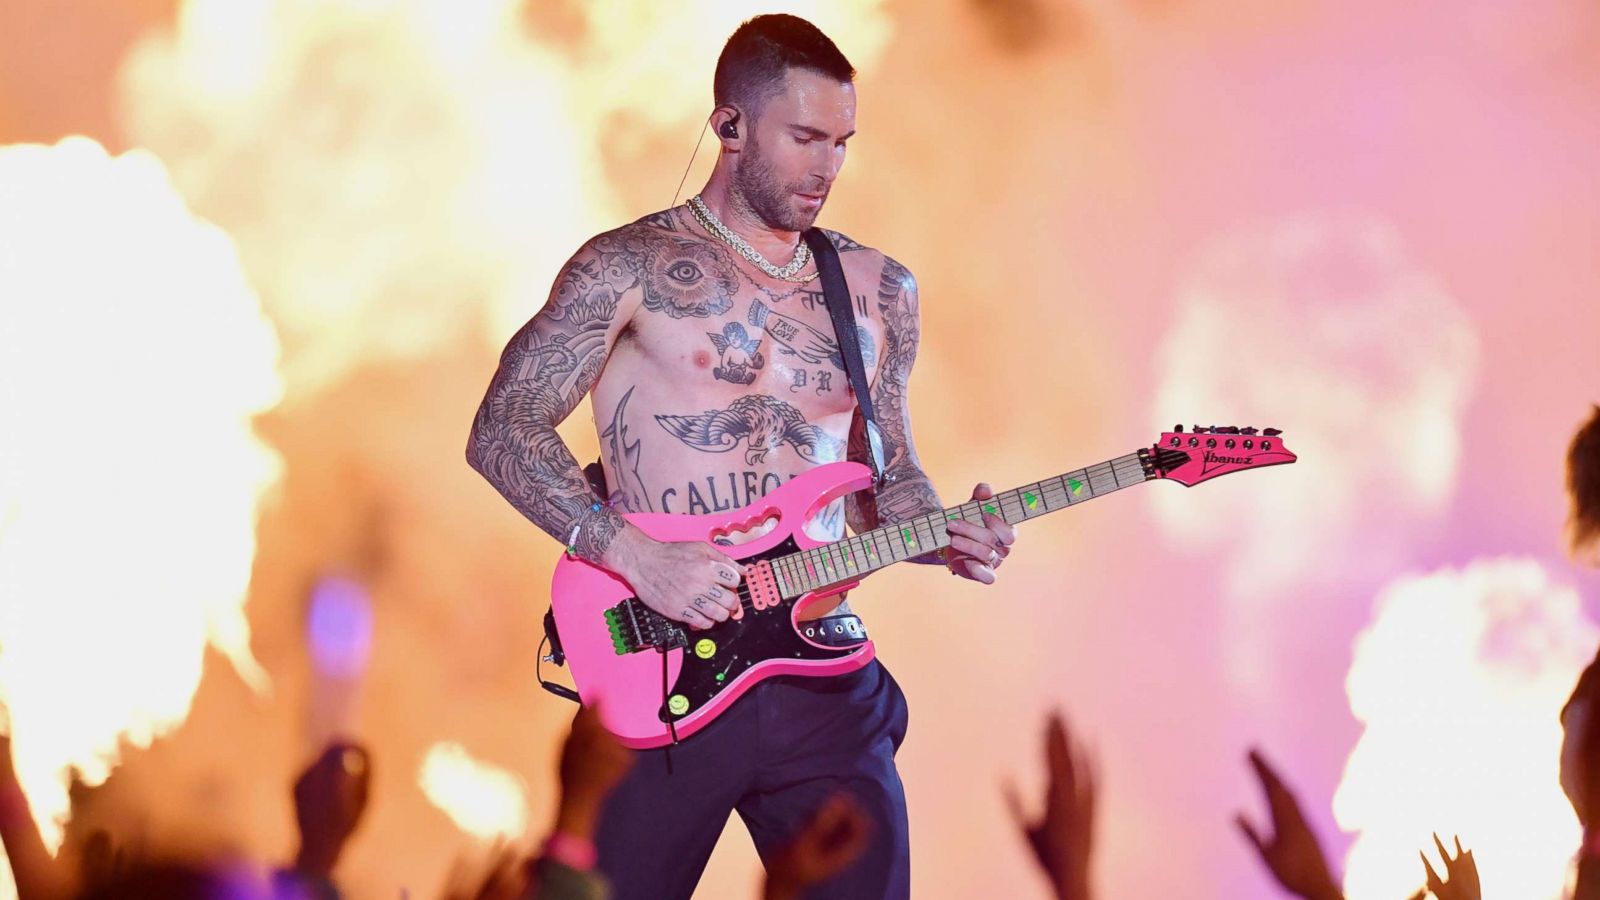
[[1219, 459]]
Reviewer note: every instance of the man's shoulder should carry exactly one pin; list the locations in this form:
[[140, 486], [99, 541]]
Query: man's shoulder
[[665, 220], [846, 244], [636, 234], [870, 261]]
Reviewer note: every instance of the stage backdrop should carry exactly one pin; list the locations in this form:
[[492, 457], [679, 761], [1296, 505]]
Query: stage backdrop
[[257, 267]]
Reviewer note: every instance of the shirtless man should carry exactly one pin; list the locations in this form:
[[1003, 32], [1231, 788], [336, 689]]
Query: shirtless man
[[716, 377]]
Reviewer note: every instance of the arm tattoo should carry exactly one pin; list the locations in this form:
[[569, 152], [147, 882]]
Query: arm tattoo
[[546, 369], [907, 492]]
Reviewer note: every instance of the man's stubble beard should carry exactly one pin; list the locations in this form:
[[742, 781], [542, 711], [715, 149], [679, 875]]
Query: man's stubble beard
[[756, 187]]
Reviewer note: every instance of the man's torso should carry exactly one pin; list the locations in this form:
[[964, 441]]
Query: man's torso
[[724, 383]]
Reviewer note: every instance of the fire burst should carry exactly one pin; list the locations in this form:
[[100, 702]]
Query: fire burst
[[483, 800], [133, 356], [1459, 681]]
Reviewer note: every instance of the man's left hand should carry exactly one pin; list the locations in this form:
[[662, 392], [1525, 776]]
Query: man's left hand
[[975, 551]]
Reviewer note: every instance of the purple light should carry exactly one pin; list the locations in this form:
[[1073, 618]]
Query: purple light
[[339, 626]]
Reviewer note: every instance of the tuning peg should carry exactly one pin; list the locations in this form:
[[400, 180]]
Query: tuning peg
[[1177, 429], [1272, 432], [1249, 430], [1199, 430], [1228, 429]]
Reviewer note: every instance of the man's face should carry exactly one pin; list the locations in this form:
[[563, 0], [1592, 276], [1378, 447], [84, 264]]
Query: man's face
[[794, 149]]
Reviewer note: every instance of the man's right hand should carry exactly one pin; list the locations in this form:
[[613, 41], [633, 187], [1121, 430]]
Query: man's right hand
[[688, 581]]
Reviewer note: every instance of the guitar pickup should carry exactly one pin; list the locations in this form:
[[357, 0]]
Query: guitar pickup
[[635, 627]]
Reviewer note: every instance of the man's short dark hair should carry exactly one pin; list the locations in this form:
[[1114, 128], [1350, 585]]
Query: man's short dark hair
[[1583, 485], [760, 53]]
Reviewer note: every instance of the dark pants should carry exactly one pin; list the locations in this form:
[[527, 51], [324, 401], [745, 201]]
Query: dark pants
[[775, 755]]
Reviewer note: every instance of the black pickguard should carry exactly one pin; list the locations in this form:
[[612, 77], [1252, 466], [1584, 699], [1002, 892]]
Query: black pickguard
[[736, 645]]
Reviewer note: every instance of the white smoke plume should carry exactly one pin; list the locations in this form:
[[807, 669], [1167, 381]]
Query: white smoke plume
[[133, 358], [1459, 681], [1323, 327], [400, 173]]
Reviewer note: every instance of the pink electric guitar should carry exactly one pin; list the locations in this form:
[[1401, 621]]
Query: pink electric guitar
[[657, 681]]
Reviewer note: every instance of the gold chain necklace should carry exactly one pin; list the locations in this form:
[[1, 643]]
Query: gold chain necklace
[[709, 221]]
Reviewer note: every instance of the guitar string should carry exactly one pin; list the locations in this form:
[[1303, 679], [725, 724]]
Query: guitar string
[[1121, 466]]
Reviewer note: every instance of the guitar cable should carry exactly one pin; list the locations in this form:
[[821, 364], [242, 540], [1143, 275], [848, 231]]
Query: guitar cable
[[672, 727], [686, 168], [560, 690]]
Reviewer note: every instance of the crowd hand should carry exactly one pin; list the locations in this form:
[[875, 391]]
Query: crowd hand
[[592, 762], [832, 839], [687, 581], [508, 877], [976, 551], [1063, 835], [102, 861], [1292, 853], [35, 872], [1462, 871], [329, 798]]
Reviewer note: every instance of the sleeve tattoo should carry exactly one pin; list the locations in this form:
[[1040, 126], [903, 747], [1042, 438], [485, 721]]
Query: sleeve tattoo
[[546, 369], [906, 492]]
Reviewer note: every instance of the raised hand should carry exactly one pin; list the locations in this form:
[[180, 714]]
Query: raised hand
[[976, 551], [36, 873], [592, 762], [1291, 853], [831, 840], [506, 876], [329, 798], [1063, 835], [1462, 871]]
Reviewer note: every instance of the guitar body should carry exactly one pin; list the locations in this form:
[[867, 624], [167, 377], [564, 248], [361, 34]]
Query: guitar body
[[714, 667], [655, 680]]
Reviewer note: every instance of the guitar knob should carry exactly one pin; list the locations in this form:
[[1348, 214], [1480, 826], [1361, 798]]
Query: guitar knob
[[1229, 444], [1266, 445], [1211, 442], [1248, 443], [1178, 429], [1194, 442], [1176, 440]]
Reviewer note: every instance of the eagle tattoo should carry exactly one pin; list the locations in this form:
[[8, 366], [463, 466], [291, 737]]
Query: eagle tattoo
[[763, 423]]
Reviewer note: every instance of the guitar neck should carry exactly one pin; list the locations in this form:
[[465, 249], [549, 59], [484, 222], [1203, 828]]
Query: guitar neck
[[852, 557]]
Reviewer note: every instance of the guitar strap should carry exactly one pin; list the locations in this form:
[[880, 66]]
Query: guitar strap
[[836, 295]]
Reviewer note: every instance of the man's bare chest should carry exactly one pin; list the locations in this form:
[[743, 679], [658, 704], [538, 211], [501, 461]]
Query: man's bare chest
[[777, 343]]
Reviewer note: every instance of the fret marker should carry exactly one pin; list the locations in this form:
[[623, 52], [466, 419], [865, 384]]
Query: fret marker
[[872, 553], [1030, 499], [989, 508], [1076, 485], [909, 539]]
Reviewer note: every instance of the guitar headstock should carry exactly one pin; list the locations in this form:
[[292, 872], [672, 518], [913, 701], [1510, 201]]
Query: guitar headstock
[[1190, 457]]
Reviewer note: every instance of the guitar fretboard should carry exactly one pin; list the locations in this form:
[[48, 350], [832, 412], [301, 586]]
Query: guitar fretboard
[[847, 559]]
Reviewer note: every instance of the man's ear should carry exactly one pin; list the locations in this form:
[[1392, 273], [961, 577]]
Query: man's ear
[[727, 122]]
